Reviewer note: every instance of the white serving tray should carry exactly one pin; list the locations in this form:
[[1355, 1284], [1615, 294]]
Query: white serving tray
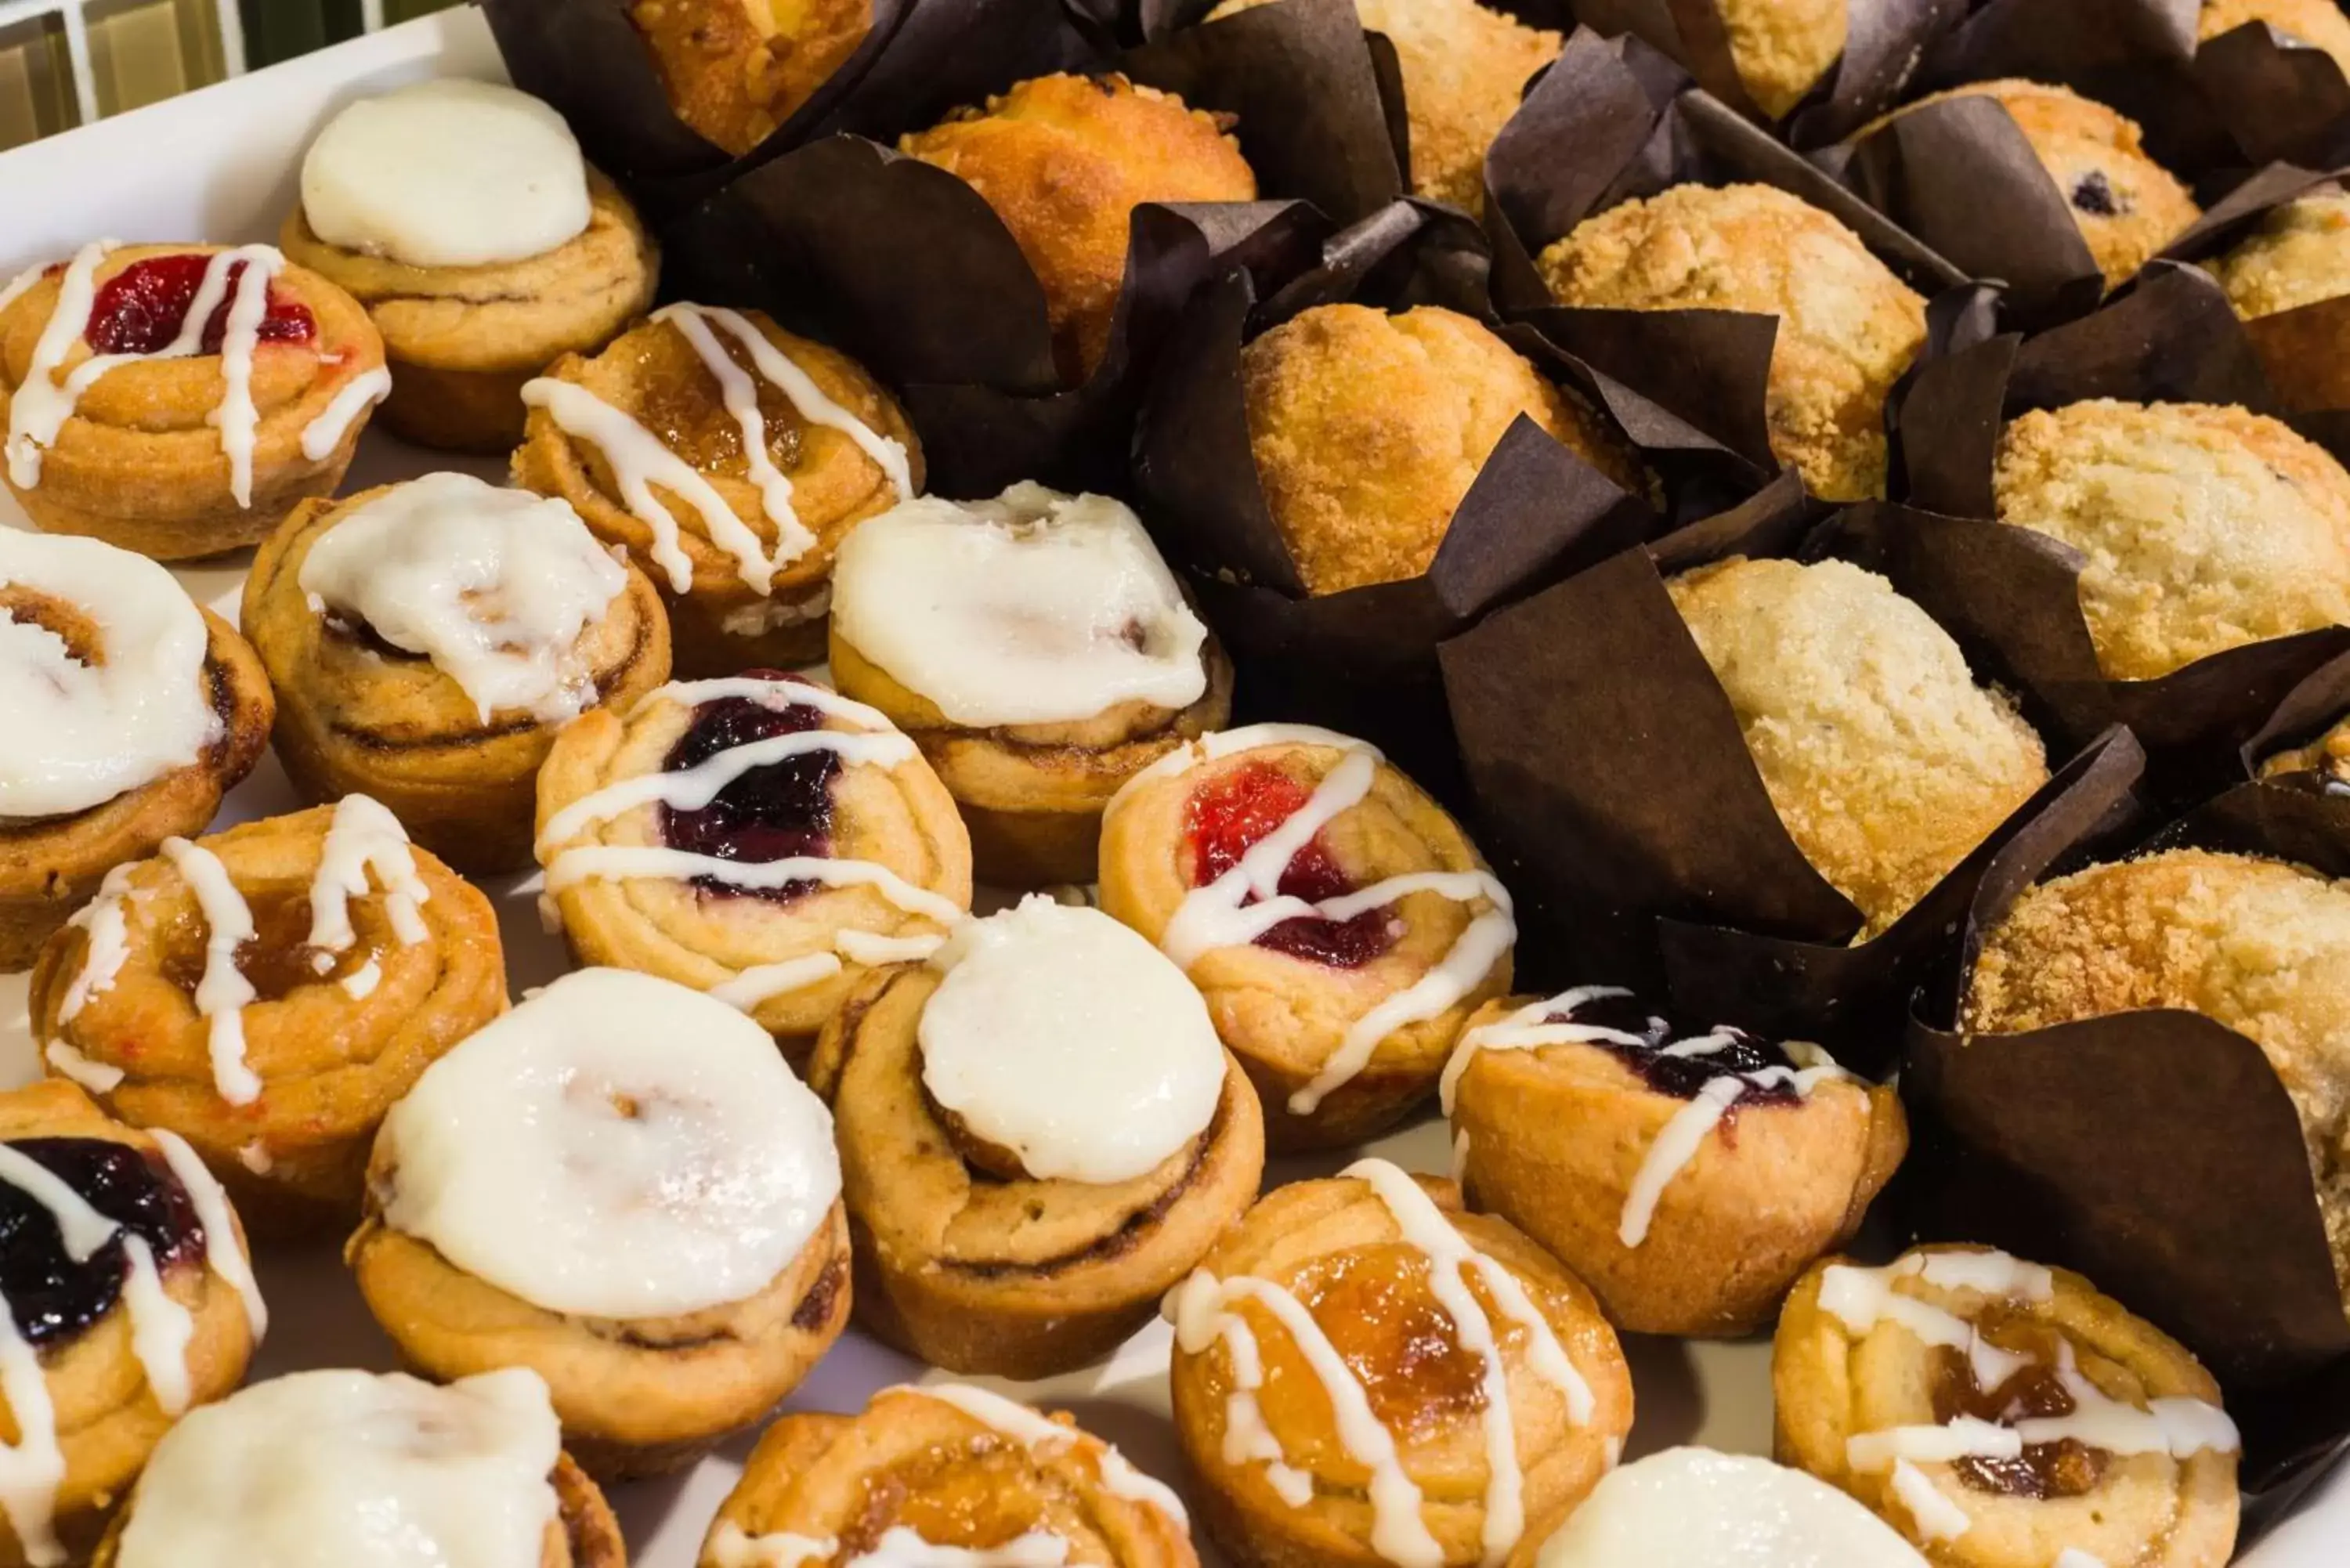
[[219, 165]]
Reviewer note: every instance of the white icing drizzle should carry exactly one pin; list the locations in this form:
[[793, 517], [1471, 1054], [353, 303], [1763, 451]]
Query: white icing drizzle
[[1674, 1147], [107, 947], [221, 1249], [33, 1468], [96, 1076], [630, 862], [222, 994], [361, 984], [236, 417], [1460, 1167], [365, 836], [322, 435], [1530, 1029], [693, 788], [1247, 1438], [2074, 1557], [764, 982], [1118, 1475], [732, 1546], [898, 1547], [874, 951], [1936, 1516]]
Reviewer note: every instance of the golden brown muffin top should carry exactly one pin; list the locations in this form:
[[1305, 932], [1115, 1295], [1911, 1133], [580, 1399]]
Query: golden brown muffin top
[[1783, 48], [2298, 255], [1368, 428], [2328, 754], [2204, 527], [1884, 758], [2318, 23], [1464, 69], [736, 69], [1847, 326]]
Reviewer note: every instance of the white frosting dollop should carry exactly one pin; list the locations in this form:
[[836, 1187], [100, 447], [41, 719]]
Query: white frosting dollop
[[446, 173], [348, 1470], [494, 586], [1036, 607], [1693, 1508], [1068, 1038], [616, 1147], [74, 734]]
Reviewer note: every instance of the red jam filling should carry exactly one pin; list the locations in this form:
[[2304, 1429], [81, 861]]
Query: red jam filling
[[140, 309], [1231, 814], [774, 812], [52, 1295]]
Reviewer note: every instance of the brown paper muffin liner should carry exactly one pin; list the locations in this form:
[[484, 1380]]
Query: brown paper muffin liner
[[2279, 99], [2308, 711], [2302, 349]]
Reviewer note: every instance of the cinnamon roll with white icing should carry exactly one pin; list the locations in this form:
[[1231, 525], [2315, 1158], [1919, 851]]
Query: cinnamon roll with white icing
[[620, 1186], [1040, 653], [1688, 1176], [2003, 1415], [426, 639], [1340, 924], [266, 994], [730, 458], [350, 1467], [944, 1474], [126, 1301], [762, 838], [126, 712], [1366, 1375], [179, 399], [1040, 1133]]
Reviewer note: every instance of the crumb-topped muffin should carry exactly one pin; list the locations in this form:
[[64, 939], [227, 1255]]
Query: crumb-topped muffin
[[1783, 48], [1885, 759], [2319, 24], [2300, 254], [1847, 326], [2204, 527], [736, 69]]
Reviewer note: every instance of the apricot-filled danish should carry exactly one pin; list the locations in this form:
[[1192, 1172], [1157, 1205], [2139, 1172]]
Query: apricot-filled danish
[[126, 1299], [1365, 1374], [427, 640], [762, 838], [463, 218], [352, 1467], [179, 399], [730, 458], [1688, 1176], [1039, 652], [268, 993], [620, 1186], [2002, 1415], [1039, 1133], [1341, 926], [126, 712], [944, 1474]]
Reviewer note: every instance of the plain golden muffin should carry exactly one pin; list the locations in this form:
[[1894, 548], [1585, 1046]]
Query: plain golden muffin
[[1847, 326], [1464, 69], [2259, 945], [736, 69], [2125, 205], [1884, 760], [2300, 254], [2317, 23], [1369, 428], [1064, 161], [1783, 48], [2204, 527]]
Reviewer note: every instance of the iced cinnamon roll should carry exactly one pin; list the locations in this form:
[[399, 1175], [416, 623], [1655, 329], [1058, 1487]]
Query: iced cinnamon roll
[[1367, 1375], [730, 458], [426, 639], [946, 1474], [620, 1186], [1688, 1176], [463, 217], [179, 399], [1341, 926], [1040, 1133], [126, 712], [1040, 653], [355, 1467], [266, 994], [126, 1299], [762, 838], [2002, 1415]]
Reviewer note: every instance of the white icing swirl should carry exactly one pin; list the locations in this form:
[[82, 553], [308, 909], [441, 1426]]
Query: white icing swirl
[[1693, 1508]]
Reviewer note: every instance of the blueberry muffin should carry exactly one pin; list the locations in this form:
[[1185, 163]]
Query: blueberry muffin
[[2319, 24], [1783, 48], [2300, 254]]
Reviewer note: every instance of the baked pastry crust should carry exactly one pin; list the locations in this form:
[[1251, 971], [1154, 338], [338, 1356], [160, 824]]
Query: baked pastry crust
[[461, 341], [2205, 527], [2279, 275], [1783, 47], [1064, 160], [356, 716], [1847, 326], [736, 69], [1368, 428], [331, 1064]]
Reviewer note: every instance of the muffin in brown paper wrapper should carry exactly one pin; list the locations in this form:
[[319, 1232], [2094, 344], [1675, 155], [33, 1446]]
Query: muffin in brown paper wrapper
[[2014, 593], [2279, 98], [2305, 350], [1362, 662], [1621, 803], [2310, 712], [2155, 1151]]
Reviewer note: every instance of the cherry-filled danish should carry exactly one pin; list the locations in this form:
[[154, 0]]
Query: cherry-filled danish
[[1040, 1133], [268, 993], [1341, 926], [762, 838], [179, 399], [126, 712]]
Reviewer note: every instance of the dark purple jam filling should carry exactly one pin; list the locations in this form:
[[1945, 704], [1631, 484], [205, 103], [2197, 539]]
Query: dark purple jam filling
[[51, 1296], [1227, 817], [771, 813], [1681, 1076]]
